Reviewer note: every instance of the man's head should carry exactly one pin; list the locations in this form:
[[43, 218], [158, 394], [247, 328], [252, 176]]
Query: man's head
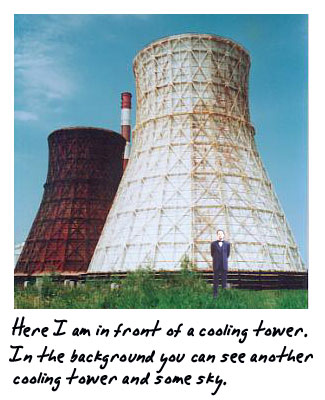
[[220, 234]]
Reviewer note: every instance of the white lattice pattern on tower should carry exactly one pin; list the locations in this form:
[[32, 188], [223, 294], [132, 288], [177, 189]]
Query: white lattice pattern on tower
[[194, 167]]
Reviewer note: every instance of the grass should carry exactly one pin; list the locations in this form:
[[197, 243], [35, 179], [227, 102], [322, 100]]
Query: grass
[[142, 291]]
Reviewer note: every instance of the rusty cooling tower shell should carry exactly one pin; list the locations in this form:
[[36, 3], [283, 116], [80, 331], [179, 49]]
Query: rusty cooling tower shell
[[84, 171]]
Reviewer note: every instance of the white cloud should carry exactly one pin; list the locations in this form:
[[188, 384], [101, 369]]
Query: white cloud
[[40, 74], [44, 71], [21, 115]]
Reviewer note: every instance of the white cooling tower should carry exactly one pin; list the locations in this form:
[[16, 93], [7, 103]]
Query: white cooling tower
[[194, 167]]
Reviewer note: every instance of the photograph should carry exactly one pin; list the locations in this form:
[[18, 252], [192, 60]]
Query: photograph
[[161, 161]]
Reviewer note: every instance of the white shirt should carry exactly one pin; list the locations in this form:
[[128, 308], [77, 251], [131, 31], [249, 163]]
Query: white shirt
[[220, 243]]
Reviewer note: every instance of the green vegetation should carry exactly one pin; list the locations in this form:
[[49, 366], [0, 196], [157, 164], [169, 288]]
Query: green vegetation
[[142, 290]]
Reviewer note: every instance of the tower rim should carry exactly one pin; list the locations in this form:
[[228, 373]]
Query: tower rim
[[211, 36], [85, 129]]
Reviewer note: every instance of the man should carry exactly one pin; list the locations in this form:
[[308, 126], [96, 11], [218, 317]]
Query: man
[[220, 250]]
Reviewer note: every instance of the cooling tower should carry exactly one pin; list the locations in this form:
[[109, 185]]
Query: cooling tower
[[194, 167], [85, 168]]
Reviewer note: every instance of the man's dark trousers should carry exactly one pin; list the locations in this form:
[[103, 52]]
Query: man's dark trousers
[[220, 256]]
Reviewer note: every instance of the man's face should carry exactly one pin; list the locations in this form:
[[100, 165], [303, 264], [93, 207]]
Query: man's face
[[220, 235]]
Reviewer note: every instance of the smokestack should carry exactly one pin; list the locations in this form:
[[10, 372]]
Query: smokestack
[[126, 125]]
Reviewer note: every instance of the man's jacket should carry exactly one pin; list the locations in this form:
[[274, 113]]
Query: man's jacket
[[220, 255]]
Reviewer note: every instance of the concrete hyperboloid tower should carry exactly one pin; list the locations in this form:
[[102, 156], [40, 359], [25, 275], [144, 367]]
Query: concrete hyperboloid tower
[[194, 167], [85, 168]]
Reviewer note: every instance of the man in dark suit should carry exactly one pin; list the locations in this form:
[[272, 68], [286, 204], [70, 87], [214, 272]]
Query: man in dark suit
[[220, 250]]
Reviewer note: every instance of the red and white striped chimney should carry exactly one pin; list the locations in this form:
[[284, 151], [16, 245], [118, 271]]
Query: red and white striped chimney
[[126, 125]]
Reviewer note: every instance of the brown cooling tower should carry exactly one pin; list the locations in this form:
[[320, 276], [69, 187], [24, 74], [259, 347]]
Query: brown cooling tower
[[85, 169]]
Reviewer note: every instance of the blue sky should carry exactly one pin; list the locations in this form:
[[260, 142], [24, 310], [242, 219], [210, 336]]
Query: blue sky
[[71, 69]]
